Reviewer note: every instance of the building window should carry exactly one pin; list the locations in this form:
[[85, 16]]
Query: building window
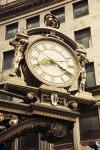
[[11, 30], [29, 142], [83, 37], [60, 14], [89, 126], [8, 59], [33, 22], [80, 8], [90, 75]]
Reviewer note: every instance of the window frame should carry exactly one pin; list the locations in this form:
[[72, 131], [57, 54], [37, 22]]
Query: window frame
[[90, 71], [30, 20], [9, 28], [89, 133], [55, 11], [11, 63], [81, 35], [78, 7]]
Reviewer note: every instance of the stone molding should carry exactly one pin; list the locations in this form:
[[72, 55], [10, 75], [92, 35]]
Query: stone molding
[[18, 7]]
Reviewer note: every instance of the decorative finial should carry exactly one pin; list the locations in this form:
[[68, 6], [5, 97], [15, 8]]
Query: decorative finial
[[51, 21]]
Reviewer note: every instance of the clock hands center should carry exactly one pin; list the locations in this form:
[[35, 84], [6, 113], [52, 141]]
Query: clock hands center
[[51, 61], [47, 62]]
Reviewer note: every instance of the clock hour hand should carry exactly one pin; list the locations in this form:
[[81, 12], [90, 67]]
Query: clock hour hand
[[44, 62]]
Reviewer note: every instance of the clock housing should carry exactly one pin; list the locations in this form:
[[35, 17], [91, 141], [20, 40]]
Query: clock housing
[[52, 62]]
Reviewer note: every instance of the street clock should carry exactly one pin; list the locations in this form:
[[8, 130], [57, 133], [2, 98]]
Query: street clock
[[52, 62]]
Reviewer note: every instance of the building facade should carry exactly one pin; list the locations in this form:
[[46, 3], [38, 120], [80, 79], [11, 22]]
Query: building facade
[[79, 20]]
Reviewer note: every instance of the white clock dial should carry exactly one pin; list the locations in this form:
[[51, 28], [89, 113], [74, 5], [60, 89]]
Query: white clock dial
[[52, 62]]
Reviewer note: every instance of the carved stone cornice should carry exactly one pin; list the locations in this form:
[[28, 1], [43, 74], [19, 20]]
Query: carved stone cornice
[[38, 109], [18, 7]]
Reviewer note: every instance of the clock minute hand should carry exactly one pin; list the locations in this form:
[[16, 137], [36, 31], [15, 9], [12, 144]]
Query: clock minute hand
[[67, 72]]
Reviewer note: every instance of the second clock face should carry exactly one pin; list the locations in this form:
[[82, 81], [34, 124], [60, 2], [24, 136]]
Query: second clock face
[[52, 62]]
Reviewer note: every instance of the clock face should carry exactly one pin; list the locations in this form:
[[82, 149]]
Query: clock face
[[52, 62]]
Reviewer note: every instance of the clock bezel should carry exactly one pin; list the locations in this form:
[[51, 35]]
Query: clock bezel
[[65, 84]]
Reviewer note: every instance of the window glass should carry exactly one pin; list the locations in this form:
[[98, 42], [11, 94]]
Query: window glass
[[33, 22], [60, 14], [90, 75], [8, 60], [83, 37], [90, 123], [29, 142], [89, 127], [11, 30], [80, 8]]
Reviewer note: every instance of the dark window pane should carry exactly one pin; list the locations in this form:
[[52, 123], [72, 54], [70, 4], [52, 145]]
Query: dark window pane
[[60, 14], [33, 22], [83, 37], [8, 58], [90, 75], [11, 30], [89, 127], [90, 123], [80, 8], [29, 142]]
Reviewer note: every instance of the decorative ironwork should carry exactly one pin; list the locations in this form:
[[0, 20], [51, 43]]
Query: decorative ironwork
[[39, 124], [10, 119], [72, 105], [51, 21], [13, 121], [54, 99], [62, 101], [58, 130]]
